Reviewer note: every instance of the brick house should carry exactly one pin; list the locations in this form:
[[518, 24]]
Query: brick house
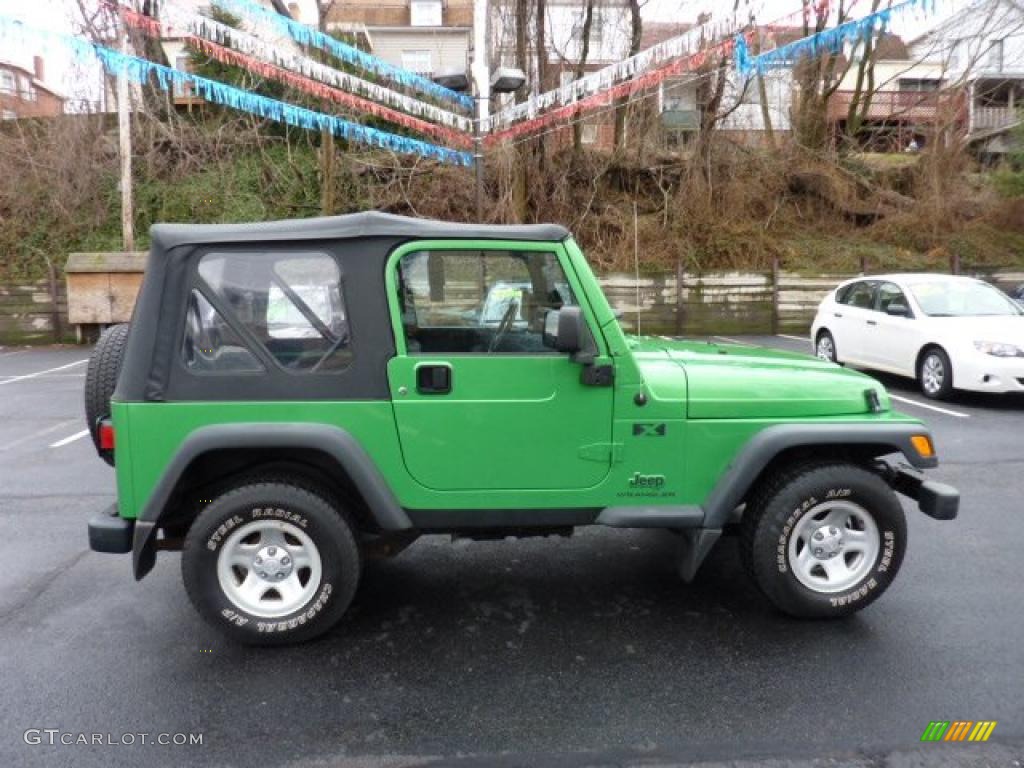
[[24, 92]]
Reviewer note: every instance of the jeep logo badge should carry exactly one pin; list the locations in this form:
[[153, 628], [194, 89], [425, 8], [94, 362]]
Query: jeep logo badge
[[649, 430], [646, 481]]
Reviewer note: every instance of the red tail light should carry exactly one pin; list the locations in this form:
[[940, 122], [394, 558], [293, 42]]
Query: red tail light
[[106, 436]]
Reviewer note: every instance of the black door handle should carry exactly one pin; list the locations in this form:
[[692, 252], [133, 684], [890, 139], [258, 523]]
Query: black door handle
[[434, 379], [872, 322], [838, 314]]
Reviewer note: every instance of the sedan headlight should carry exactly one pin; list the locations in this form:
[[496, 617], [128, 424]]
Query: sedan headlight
[[998, 349]]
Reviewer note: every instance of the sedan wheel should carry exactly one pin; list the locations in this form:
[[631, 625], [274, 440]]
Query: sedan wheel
[[826, 347], [936, 375]]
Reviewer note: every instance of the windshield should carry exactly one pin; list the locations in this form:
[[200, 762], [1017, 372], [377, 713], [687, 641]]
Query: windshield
[[945, 298]]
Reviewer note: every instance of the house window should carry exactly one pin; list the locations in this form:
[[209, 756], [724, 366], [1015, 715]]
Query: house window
[[956, 54], [589, 134], [418, 62], [995, 56], [918, 85], [8, 115], [425, 13], [28, 91], [7, 82]]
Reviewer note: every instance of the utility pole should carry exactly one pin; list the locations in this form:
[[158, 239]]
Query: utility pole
[[124, 136], [480, 71]]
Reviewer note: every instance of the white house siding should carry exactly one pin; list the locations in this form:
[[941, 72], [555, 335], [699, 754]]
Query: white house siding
[[682, 95], [448, 46]]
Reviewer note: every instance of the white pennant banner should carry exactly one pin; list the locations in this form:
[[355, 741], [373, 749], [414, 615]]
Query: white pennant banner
[[177, 21]]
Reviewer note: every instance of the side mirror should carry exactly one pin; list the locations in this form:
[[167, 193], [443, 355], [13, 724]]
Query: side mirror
[[898, 310], [566, 331]]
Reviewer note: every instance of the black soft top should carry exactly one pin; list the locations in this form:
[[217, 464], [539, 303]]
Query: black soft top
[[368, 224], [359, 242]]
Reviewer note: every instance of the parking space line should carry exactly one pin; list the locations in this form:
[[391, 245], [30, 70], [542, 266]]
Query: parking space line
[[43, 373], [38, 433], [70, 439], [793, 338], [734, 341], [946, 411]]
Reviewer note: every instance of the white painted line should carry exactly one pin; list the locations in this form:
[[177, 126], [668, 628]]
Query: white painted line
[[38, 433], [946, 411], [734, 341], [43, 373], [804, 339], [70, 439]]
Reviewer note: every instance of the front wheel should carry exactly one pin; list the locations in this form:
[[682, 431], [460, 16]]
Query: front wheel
[[935, 374], [271, 563], [824, 540]]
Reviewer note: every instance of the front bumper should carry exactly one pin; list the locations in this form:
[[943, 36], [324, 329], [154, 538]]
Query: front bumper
[[937, 500], [986, 373], [111, 533]]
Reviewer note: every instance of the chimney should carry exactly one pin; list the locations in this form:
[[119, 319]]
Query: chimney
[[39, 69]]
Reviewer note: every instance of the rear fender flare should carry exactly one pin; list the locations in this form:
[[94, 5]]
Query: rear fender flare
[[333, 441]]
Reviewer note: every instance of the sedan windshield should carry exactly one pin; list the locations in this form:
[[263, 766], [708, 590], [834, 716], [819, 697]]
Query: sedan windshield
[[945, 298]]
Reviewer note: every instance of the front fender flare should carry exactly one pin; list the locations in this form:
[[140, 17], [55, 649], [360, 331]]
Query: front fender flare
[[738, 478], [334, 441]]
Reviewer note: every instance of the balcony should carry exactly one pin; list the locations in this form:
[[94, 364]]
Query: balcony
[[994, 118], [902, 106]]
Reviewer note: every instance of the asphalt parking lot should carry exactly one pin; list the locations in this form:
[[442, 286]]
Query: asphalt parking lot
[[542, 652]]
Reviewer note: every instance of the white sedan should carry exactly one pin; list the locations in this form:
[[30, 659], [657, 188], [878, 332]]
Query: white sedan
[[947, 332]]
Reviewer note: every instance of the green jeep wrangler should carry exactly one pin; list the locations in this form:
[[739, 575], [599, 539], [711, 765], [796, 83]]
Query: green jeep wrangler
[[293, 398]]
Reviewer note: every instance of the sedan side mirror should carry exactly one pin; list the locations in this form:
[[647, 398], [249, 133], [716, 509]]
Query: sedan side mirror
[[898, 310]]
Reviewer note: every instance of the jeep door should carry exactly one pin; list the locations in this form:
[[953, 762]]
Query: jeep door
[[479, 400]]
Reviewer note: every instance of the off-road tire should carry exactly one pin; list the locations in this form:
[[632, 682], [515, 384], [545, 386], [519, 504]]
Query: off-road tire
[[774, 512], [100, 379], [330, 530]]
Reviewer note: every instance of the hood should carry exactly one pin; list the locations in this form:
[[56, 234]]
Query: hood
[[735, 381], [1005, 329]]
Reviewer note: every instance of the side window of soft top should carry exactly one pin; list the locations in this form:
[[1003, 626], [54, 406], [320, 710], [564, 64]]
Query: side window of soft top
[[284, 307]]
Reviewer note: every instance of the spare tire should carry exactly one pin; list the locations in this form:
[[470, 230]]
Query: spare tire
[[101, 378]]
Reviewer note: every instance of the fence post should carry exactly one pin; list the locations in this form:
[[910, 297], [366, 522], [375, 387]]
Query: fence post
[[51, 271], [680, 308], [775, 295], [863, 264], [954, 263]]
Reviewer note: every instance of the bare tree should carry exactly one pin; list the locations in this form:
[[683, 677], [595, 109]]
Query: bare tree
[[581, 68], [636, 37]]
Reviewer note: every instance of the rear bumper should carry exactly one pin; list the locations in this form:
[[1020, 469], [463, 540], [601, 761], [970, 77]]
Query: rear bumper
[[110, 533], [937, 500]]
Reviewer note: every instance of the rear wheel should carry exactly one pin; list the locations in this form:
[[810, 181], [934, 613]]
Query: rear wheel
[[271, 563], [825, 347], [101, 379], [935, 374], [824, 540]]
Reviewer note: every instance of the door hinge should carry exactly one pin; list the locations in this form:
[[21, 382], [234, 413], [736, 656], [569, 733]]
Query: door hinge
[[598, 375], [602, 452]]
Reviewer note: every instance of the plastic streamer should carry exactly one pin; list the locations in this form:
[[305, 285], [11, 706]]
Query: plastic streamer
[[178, 22], [301, 83], [304, 35], [826, 41], [143, 72], [607, 97]]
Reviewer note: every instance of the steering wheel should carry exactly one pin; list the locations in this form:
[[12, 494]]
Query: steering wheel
[[504, 325]]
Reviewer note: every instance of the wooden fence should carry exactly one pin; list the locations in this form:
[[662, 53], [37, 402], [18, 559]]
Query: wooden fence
[[725, 303]]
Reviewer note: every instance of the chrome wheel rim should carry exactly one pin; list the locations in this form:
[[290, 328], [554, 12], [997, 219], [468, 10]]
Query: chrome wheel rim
[[826, 349], [933, 374], [269, 568], [833, 546]]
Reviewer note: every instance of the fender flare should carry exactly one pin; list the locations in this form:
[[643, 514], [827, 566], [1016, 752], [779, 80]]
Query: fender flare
[[334, 441], [764, 446]]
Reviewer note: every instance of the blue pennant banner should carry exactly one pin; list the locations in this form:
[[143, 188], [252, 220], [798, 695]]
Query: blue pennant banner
[[826, 41], [142, 71], [347, 53]]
